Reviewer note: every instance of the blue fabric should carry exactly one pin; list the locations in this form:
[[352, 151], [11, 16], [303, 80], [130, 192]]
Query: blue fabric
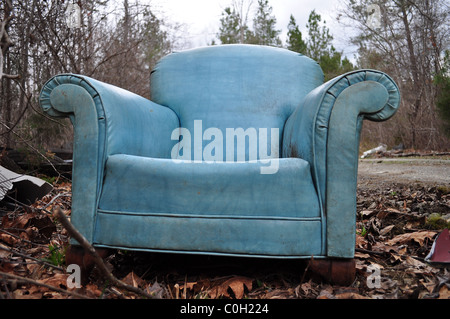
[[234, 86], [64, 96], [165, 186], [306, 130], [325, 130], [276, 238], [107, 120]]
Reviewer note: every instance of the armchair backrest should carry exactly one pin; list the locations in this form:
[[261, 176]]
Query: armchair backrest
[[234, 86]]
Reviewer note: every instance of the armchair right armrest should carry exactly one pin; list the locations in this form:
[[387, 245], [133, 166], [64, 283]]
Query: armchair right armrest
[[325, 131]]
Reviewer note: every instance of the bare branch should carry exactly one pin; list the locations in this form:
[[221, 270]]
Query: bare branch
[[97, 259], [13, 251], [5, 41], [38, 283], [11, 76]]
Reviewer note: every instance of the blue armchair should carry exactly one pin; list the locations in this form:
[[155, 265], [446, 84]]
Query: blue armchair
[[242, 151]]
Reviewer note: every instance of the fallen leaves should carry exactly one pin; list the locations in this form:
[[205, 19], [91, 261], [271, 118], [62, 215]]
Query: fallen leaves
[[397, 240], [444, 293], [393, 237], [386, 230], [235, 285], [136, 281], [418, 237]]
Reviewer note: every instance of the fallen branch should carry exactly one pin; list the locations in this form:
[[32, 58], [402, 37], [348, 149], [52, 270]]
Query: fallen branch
[[413, 154], [97, 259], [21, 239], [13, 251], [34, 282], [56, 197], [371, 252]]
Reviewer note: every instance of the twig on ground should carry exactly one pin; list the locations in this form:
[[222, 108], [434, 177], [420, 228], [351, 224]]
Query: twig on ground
[[5, 287], [97, 259], [371, 252], [2, 247], [34, 282], [306, 270], [21, 239], [56, 197]]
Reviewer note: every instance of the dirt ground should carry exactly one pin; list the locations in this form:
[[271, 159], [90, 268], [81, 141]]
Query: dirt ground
[[373, 173]]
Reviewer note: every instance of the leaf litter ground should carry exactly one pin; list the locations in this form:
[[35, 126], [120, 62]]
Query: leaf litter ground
[[396, 227]]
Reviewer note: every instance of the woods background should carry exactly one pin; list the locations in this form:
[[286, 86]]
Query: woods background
[[119, 42]]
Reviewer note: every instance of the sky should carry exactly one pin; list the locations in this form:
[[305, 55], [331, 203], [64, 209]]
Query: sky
[[202, 18]]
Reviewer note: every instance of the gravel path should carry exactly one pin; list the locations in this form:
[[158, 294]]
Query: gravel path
[[378, 172]]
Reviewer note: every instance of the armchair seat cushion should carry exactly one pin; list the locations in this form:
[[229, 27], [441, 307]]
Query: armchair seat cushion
[[142, 185], [224, 208]]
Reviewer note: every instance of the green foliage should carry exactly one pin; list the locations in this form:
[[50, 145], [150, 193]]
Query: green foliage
[[294, 40], [233, 27], [436, 222], [317, 46], [363, 232], [320, 48], [155, 41], [229, 31], [49, 180], [264, 22], [442, 81], [56, 255], [333, 65], [444, 189], [319, 37]]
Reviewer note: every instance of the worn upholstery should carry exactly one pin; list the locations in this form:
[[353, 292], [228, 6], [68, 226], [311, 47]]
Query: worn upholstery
[[234, 86], [171, 174]]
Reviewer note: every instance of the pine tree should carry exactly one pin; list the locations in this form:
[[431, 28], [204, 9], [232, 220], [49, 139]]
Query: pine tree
[[229, 27], [264, 32], [442, 81], [294, 40], [320, 48], [319, 40]]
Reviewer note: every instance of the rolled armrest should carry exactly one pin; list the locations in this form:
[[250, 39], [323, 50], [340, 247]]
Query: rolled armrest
[[132, 124], [107, 120], [325, 131]]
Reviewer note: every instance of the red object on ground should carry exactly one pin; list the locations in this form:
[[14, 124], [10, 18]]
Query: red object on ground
[[440, 251]]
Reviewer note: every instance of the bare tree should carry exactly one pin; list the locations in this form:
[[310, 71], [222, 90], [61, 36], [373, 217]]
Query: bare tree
[[118, 43], [5, 40], [242, 7], [408, 43]]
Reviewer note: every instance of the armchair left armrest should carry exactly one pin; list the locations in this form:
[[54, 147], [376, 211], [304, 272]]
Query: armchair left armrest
[[325, 130], [107, 120]]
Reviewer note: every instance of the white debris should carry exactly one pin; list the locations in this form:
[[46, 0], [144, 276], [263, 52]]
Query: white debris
[[380, 148], [29, 188]]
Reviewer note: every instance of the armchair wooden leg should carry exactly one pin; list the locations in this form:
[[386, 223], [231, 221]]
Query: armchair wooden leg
[[77, 255], [340, 272]]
